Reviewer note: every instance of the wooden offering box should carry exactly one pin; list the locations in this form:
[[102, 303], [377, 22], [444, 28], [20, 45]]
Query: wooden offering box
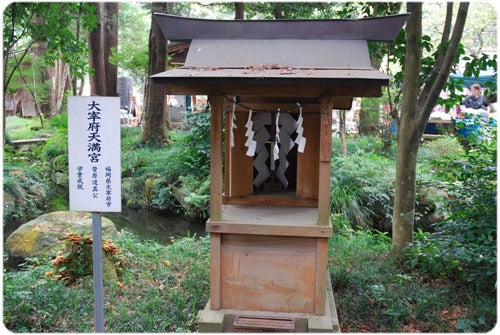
[[272, 86]]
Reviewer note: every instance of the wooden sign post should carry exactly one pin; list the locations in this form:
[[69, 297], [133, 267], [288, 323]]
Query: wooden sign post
[[95, 173]]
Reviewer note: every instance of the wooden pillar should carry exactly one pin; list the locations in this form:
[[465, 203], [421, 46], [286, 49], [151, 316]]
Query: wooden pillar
[[325, 149], [321, 273], [216, 157], [215, 247]]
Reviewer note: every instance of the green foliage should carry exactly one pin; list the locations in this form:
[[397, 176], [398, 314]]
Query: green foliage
[[132, 54], [373, 293], [25, 24], [25, 193], [184, 163], [163, 287], [426, 254], [473, 64], [362, 183], [26, 184], [198, 196], [360, 145], [18, 128], [153, 173], [362, 188], [464, 245], [197, 144], [161, 290], [369, 116], [442, 146], [469, 233], [57, 144]]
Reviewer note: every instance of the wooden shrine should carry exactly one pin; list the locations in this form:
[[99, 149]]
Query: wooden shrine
[[272, 86]]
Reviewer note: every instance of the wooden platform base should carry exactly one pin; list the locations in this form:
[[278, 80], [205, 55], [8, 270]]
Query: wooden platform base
[[222, 321]]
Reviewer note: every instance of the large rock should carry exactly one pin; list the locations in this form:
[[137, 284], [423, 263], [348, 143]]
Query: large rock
[[44, 236]]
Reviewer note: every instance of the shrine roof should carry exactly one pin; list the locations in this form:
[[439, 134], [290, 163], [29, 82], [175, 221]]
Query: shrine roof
[[300, 53], [383, 28]]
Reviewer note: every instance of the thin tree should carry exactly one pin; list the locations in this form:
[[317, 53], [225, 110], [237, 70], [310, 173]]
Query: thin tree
[[102, 40], [110, 42], [155, 121], [419, 98], [239, 10], [45, 31], [96, 57]]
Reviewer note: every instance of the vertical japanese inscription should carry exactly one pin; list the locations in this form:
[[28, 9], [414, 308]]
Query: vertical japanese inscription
[[94, 138], [94, 154], [94, 143]]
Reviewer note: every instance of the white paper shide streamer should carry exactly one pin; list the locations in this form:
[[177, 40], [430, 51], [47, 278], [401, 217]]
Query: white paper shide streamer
[[287, 127], [282, 143], [251, 144], [233, 124], [262, 135], [300, 140], [276, 148]]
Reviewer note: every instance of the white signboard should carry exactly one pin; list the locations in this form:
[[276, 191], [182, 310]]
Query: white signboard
[[94, 154]]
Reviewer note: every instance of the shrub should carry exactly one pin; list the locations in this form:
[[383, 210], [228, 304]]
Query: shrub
[[25, 194], [196, 145], [363, 145], [362, 188], [467, 238], [435, 149], [197, 199]]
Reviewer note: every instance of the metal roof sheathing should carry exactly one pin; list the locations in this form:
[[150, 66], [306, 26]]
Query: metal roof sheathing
[[244, 53]]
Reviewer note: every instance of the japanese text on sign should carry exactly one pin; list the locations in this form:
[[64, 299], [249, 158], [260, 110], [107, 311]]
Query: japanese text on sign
[[94, 154]]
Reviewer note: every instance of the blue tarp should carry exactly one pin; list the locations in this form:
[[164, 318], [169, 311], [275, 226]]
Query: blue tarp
[[484, 77]]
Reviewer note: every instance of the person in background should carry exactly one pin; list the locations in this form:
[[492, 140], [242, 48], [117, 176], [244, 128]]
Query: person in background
[[475, 105], [474, 114]]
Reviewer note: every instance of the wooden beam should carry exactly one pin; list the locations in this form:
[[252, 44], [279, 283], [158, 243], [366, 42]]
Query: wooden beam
[[272, 200], [308, 161], [295, 91], [310, 105], [241, 177], [325, 149], [274, 230], [216, 157]]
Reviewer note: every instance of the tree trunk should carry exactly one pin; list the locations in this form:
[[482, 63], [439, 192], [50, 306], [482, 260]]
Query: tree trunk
[[96, 58], [110, 41], [239, 10], [155, 124], [101, 40], [404, 202], [342, 132], [61, 81], [45, 75], [415, 111]]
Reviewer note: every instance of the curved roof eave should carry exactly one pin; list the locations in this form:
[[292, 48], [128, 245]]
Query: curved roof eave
[[383, 28]]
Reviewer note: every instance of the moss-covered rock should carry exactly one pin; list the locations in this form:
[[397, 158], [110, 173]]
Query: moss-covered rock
[[44, 236]]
